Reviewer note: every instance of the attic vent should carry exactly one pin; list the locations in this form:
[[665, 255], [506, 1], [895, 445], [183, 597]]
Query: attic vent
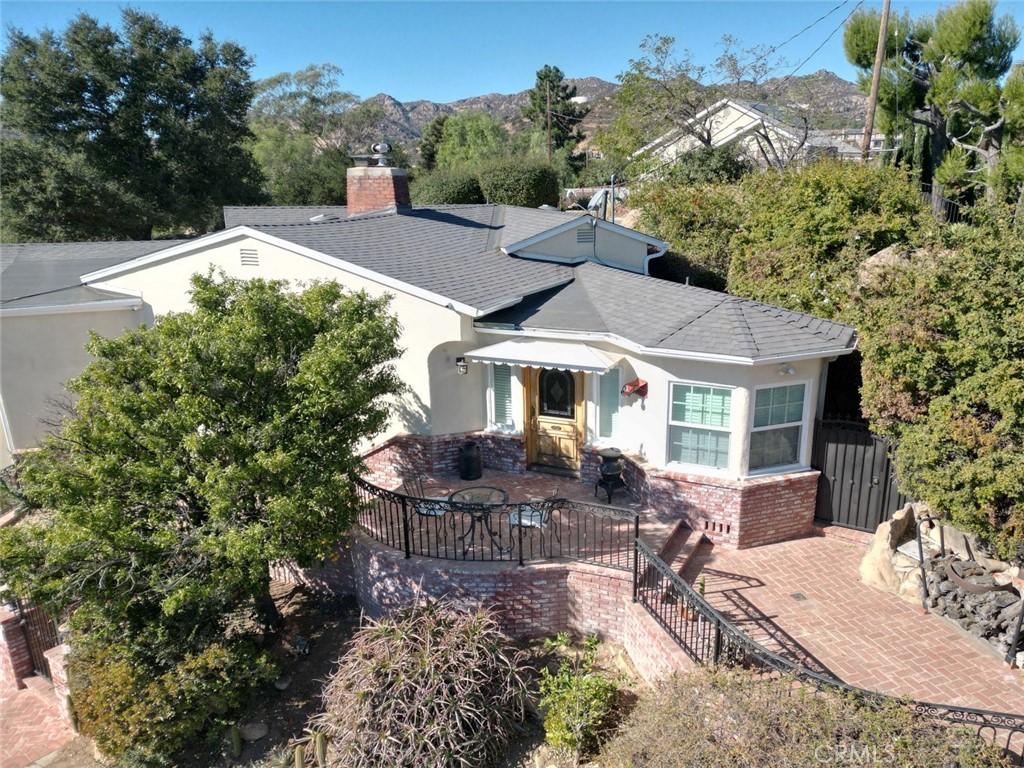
[[250, 257], [585, 235]]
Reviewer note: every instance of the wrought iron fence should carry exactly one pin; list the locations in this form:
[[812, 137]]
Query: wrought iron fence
[[41, 635], [706, 636], [515, 532]]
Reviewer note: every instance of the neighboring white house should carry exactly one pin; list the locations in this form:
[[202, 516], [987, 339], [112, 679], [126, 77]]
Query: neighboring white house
[[758, 132], [521, 327]]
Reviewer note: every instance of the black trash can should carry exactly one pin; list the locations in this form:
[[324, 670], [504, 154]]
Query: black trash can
[[471, 464]]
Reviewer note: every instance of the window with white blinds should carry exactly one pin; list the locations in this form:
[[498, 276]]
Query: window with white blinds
[[699, 425], [501, 395], [608, 403]]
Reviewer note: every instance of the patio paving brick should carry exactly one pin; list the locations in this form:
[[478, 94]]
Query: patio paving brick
[[864, 636], [30, 727]]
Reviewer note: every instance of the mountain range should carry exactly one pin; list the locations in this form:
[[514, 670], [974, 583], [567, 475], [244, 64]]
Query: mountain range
[[830, 101]]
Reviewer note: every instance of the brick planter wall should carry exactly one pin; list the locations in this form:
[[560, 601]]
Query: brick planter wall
[[15, 661]]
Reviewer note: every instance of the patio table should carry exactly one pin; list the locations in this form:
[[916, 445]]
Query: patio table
[[478, 501]]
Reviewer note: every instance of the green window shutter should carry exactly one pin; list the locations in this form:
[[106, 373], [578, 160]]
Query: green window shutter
[[502, 395], [608, 404]]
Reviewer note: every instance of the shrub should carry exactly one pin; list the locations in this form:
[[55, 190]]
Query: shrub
[[517, 183], [576, 701], [447, 188], [134, 709], [427, 686], [719, 718]]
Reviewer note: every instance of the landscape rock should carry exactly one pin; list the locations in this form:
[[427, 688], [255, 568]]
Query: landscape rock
[[253, 731], [885, 568]]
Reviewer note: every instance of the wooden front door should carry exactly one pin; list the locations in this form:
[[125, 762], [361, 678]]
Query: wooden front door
[[555, 408]]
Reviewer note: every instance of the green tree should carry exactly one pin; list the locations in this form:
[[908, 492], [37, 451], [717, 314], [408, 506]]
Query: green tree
[[306, 128], [806, 232], [309, 102], [944, 374], [666, 89], [946, 72], [470, 140], [296, 172], [551, 103], [133, 131], [447, 188], [433, 133], [514, 182], [197, 451]]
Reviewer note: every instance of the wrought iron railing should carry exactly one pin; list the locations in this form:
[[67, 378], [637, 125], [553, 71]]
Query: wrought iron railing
[[706, 636], [516, 532]]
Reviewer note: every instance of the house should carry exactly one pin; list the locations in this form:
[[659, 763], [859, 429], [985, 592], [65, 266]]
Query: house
[[759, 132], [537, 332]]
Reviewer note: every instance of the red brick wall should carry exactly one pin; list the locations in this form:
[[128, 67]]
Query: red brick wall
[[736, 514], [653, 652], [334, 576], [405, 455], [15, 662], [539, 600], [376, 189]]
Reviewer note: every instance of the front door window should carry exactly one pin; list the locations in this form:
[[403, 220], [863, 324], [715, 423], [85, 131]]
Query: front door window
[[557, 394]]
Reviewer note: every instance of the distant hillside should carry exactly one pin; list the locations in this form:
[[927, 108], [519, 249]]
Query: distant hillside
[[828, 100]]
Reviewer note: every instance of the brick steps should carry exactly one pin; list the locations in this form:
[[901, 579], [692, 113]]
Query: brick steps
[[680, 548]]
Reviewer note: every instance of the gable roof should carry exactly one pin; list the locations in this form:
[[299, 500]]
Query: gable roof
[[667, 318], [39, 275]]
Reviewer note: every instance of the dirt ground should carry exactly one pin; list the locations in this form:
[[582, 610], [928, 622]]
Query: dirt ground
[[314, 634]]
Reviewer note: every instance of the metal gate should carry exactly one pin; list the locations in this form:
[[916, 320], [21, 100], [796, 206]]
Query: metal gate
[[40, 633], [857, 487]]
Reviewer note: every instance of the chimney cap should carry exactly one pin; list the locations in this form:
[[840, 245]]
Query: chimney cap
[[381, 151]]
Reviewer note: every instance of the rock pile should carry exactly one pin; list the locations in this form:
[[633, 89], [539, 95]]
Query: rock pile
[[991, 616]]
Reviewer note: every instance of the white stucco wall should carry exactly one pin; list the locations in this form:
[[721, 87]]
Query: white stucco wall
[[38, 353], [431, 336]]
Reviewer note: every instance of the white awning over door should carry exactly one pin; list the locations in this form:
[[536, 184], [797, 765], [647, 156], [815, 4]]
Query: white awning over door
[[545, 353]]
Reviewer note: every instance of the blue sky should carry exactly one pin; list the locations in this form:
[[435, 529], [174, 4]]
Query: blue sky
[[443, 51]]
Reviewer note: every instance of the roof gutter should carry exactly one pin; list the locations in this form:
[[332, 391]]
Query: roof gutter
[[109, 305]]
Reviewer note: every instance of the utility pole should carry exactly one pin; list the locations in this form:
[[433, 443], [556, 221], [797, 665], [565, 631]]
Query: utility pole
[[876, 76], [549, 119]]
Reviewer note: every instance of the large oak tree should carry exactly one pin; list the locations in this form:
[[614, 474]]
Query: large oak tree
[[112, 134]]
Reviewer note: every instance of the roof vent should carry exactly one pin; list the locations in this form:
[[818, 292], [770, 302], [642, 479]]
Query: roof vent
[[585, 235], [323, 217], [250, 257]]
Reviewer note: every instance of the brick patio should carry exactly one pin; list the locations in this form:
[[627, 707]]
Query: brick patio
[[857, 633], [30, 728]]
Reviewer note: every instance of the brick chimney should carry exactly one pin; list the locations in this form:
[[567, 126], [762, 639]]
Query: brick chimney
[[376, 188]]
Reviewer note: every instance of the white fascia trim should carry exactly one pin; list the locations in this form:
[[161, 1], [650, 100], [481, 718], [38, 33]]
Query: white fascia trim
[[166, 254], [639, 349], [280, 242], [109, 305]]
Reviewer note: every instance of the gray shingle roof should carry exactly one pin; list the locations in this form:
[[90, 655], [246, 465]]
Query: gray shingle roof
[[448, 250], [47, 274], [238, 215], [521, 223], [658, 314]]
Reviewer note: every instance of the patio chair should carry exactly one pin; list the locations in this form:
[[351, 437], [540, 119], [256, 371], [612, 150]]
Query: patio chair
[[423, 500], [535, 516]]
